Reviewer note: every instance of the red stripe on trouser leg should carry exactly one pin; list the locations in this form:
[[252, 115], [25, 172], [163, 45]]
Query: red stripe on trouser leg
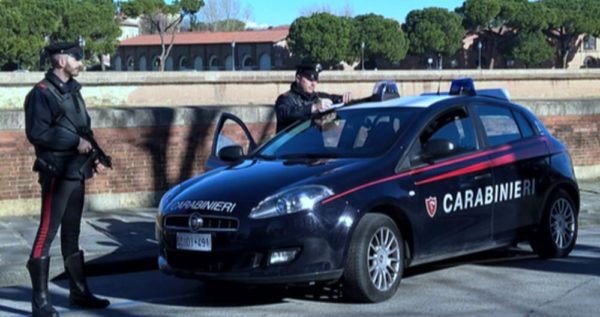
[[46, 212]]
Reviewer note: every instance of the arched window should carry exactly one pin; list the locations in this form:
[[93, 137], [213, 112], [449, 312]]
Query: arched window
[[265, 62], [155, 62], [117, 63], [169, 63], [228, 62], [198, 63], [183, 63], [247, 62], [143, 63], [213, 63], [130, 63]]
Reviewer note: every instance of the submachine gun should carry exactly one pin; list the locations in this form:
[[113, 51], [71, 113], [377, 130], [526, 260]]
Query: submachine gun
[[96, 153]]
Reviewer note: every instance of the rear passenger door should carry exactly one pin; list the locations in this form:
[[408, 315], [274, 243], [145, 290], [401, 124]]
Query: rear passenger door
[[519, 157]]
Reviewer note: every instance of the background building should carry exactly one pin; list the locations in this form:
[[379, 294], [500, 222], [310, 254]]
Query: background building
[[244, 50]]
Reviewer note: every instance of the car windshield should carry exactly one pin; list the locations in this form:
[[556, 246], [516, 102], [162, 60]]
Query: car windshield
[[340, 134]]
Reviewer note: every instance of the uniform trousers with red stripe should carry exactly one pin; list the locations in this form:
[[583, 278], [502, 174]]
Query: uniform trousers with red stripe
[[62, 206]]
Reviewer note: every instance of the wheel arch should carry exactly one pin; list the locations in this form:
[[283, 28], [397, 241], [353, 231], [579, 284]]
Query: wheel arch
[[400, 218], [570, 188]]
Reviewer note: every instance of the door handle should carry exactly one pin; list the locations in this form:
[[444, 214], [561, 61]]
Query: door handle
[[482, 176]]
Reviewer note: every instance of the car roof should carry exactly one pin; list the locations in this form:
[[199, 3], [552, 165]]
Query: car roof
[[385, 95], [422, 101]]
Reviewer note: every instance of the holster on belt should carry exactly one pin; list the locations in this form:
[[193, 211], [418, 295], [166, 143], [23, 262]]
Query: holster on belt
[[43, 166]]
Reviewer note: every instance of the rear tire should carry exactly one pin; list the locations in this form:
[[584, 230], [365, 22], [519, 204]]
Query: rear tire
[[556, 235], [375, 260]]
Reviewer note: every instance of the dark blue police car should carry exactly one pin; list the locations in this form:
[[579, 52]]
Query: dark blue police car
[[361, 192]]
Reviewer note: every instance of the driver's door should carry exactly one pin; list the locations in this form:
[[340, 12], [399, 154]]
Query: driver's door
[[230, 130]]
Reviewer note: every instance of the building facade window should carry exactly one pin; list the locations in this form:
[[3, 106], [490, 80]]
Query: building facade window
[[213, 63], [155, 62], [183, 63], [247, 62], [265, 62], [228, 62], [198, 63], [169, 63], [143, 63], [130, 64], [589, 43]]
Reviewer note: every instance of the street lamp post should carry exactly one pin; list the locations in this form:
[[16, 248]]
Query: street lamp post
[[233, 56], [81, 41], [429, 62], [362, 55], [479, 46]]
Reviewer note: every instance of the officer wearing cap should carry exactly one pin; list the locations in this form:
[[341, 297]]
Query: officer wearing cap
[[302, 99], [54, 113]]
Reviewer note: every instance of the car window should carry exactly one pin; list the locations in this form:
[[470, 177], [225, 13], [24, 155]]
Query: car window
[[524, 125], [348, 133], [499, 124], [454, 126]]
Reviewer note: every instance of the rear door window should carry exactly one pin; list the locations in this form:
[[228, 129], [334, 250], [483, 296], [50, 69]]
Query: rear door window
[[499, 124]]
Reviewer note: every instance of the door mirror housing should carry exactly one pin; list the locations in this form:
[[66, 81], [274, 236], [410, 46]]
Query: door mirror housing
[[437, 148], [231, 153]]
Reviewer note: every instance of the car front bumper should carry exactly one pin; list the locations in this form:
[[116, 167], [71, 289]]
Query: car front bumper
[[319, 239]]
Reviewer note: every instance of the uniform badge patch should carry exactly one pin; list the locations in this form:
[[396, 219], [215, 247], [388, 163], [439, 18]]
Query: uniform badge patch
[[431, 205]]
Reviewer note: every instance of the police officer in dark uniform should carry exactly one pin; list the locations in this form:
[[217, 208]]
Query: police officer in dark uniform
[[55, 117], [302, 99]]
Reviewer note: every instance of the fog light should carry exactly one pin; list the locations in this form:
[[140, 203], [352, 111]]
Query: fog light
[[282, 256]]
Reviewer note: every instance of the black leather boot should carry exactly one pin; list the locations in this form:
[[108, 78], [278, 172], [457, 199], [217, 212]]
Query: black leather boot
[[80, 295], [40, 302]]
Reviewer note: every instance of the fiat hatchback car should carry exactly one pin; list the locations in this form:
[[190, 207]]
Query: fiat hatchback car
[[362, 191]]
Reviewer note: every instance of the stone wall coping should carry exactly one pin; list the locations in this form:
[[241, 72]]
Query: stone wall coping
[[110, 78]]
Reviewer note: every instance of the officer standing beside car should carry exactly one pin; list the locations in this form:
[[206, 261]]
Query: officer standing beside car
[[302, 100], [55, 121]]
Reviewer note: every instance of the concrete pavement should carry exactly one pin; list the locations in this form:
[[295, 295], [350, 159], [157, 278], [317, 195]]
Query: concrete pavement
[[123, 240], [111, 240]]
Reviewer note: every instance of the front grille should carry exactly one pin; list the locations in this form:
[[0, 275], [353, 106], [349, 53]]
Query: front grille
[[211, 223], [215, 262]]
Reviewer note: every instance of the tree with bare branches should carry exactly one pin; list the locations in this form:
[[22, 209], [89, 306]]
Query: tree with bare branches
[[224, 15], [163, 18]]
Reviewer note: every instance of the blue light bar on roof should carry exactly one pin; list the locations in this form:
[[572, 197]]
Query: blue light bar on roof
[[462, 86], [384, 90]]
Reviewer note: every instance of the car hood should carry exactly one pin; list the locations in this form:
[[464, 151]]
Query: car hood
[[239, 188]]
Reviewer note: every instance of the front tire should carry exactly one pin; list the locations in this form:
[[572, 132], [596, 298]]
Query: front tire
[[556, 234], [375, 260]]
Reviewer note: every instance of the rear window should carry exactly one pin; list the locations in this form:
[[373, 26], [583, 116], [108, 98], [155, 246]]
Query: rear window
[[524, 125]]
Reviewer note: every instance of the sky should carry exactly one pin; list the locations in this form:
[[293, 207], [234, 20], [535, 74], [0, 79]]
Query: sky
[[280, 12]]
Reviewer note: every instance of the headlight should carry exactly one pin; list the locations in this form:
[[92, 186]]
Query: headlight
[[290, 201]]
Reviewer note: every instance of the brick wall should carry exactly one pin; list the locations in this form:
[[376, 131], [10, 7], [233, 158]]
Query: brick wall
[[581, 134], [164, 146]]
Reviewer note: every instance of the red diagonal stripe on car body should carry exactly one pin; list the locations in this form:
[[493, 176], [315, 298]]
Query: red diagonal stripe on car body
[[494, 162]]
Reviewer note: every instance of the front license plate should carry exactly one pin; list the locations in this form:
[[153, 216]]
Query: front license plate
[[194, 241]]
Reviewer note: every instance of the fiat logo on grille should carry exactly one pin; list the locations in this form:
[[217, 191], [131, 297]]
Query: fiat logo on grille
[[196, 222]]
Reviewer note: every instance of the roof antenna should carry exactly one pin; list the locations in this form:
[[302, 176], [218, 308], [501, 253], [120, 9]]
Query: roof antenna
[[439, 84]]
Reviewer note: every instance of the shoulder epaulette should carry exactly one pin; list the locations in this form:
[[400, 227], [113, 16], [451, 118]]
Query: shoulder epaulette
[[42, 85]]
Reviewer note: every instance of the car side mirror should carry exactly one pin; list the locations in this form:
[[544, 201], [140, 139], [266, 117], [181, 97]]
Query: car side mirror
[[437, 148], [231, 153]]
